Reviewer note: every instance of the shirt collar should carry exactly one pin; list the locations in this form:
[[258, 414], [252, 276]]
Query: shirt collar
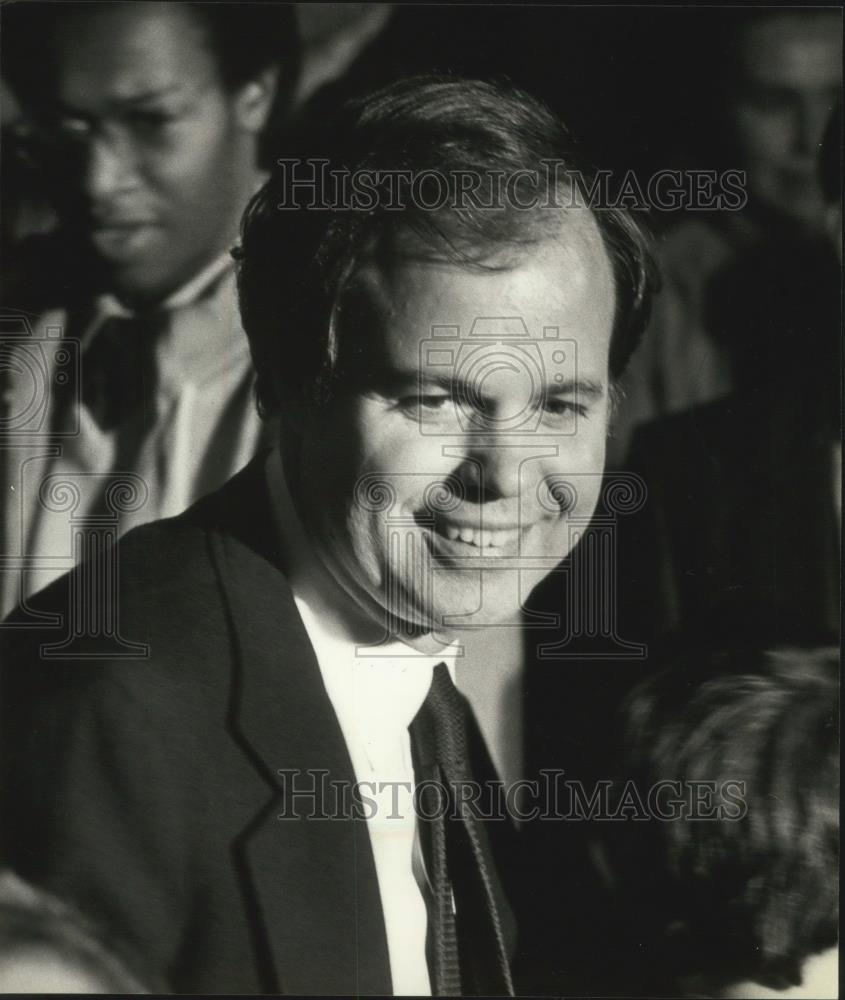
[[202, 336], [107, 306], [199, 284]]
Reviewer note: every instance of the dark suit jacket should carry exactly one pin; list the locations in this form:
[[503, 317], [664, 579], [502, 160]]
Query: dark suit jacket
[[146, 791]]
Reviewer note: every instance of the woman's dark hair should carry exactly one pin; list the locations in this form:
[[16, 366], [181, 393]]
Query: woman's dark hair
[[303, 232], [741, 895]]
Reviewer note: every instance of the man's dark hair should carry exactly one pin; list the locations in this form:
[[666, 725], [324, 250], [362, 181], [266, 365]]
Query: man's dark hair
[[295, 259], [753, 896], [246, 39]]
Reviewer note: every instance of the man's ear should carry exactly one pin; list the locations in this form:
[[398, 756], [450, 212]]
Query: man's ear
[[254, 101]]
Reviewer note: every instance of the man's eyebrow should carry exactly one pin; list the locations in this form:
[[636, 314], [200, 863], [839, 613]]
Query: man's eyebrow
[[404, 378], [122, 102], [582, 388], [401, 379], [586, 388], [146, 96]]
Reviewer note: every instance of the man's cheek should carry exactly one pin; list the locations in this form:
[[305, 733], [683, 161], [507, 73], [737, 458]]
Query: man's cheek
[[571, 484], [583, 453], [368, 533], [405, 451]]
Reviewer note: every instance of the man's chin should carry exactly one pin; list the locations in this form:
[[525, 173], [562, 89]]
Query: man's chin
[[471, 599], [136, 284], [146, 279]]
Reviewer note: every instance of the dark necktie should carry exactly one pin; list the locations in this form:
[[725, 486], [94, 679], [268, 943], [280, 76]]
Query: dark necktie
[[120, 380], [466, 948]]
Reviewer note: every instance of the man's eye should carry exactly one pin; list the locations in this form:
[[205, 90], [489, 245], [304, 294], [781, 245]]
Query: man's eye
[[72, 128], [429, 402], [151, 119], [433, 402], [425, 405], [564, 408]]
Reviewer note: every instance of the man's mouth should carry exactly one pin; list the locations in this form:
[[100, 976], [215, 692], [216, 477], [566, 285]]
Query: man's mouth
[[456, 536], [480, 538], [117, 238]]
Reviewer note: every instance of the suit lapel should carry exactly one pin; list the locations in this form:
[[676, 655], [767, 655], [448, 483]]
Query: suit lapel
[[310, 882]]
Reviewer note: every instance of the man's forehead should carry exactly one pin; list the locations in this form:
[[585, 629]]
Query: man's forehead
[[129, 51], [795, 50], [547, 276]]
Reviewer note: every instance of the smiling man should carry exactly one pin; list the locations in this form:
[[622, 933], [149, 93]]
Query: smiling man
[[492, 434], [288, 791]]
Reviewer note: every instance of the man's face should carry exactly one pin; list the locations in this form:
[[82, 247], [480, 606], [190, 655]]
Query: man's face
[[157, 159], [431, 483], [791, 73]]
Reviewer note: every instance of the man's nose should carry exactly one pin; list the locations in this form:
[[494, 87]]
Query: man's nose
[[491, 467], [110, 166]]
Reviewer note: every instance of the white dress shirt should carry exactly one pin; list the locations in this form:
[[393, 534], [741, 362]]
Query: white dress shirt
[[375, 693]]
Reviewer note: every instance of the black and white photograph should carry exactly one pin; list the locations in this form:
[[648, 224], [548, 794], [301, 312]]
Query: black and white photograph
[[420, 498]]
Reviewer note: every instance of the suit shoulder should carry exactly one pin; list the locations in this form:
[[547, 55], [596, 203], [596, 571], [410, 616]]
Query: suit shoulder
[[149, 606]]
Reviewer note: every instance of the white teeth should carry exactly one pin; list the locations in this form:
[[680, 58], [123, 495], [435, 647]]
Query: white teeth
[[481, 539]]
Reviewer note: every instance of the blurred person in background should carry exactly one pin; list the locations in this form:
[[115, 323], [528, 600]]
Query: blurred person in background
[[744, 492], [143, 125], [48, 947], [830, 175], [778, 74], [729, 887]]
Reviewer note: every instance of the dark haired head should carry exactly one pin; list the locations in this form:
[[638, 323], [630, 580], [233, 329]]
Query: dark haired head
[[429, 167], [752, 894], [246, 38]]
